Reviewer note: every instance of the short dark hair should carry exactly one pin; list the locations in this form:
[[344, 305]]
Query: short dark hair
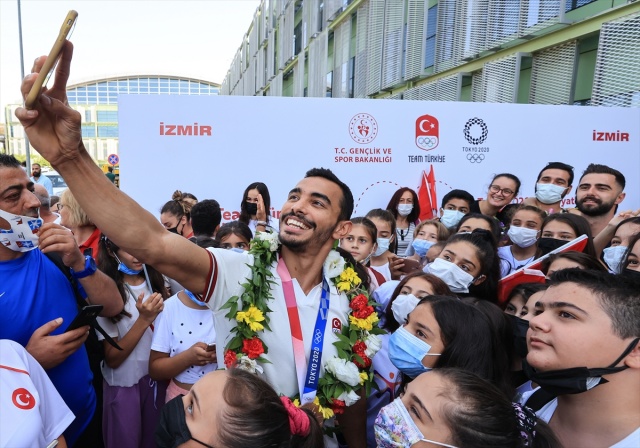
[[392, 206], [205, 217], [346, 203], [558, 166], [458, 194], [9, 161], [596, 168], [618, 295], [587, 261], [371, 228], [494, 224], [236, 228], [513, 177], [256, 416]]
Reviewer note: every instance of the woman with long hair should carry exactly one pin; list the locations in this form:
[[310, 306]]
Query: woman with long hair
[[405, 208], [131, 401]]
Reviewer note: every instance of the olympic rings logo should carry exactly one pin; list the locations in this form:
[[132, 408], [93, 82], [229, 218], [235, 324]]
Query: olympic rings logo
[[427, 141], [317, 337], [483, 128], [475, 158]]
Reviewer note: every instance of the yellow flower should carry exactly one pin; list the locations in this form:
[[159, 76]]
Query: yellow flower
[[251, 317], [363, 377], [364, 324], [326, 412], [296, 402], [343, 286]]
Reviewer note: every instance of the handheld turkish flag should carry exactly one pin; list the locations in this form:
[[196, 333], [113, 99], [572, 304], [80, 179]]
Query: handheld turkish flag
[[531, 272], [427, 196]]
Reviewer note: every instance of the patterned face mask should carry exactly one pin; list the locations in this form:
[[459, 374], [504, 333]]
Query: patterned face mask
[[394, 428]]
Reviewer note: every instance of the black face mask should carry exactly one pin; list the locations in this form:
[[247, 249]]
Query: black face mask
[[172, 429], [577, 379], [520, 327], [546, 245], [251, 208], [630, 273]]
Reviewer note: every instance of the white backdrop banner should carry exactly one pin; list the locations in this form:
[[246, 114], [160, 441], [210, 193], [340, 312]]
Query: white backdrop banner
[[214, 147]]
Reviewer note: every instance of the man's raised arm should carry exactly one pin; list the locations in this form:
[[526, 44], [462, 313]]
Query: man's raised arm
[[54, 130]]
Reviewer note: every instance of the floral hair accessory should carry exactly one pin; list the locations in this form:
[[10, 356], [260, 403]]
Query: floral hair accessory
[[526, 422], [298, 419]]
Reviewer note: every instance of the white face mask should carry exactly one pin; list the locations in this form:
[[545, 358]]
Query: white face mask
[[383, 246], [23, 234], [405, 209], [457, 280], [613, 256], [402, 306], [451, 218], [523, 237], [549, 193]]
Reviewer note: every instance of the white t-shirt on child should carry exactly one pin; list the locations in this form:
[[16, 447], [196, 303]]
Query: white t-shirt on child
[[177, 328]]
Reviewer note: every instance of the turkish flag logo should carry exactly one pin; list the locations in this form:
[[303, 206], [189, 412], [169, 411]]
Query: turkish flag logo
[[23, 399]]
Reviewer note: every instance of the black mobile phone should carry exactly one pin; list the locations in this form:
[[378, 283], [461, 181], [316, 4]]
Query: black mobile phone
[[86, 315], [211, 347]]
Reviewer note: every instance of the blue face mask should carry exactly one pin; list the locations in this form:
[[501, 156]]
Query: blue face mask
[[193, 298], [383, 246], [422, 246], [406, 352], [126, 269]]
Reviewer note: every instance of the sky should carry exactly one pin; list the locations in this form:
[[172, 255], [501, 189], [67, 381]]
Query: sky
[[195, 39]]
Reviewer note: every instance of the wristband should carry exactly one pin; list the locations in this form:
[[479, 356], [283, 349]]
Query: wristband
[[89, 268]]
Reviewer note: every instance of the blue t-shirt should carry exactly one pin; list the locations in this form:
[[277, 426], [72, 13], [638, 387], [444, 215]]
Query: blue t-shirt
[[33, 291]]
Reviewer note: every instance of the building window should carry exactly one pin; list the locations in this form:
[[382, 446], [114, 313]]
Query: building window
[[87, 116], [574, 4], [329, 83], [88, 131], [107, 131], [352, 74], [430, 44], [109, 116]]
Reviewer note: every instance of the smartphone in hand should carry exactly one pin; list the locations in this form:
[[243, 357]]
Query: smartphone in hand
[[410, 266], [86, 315], [211, 347], [52, 59]]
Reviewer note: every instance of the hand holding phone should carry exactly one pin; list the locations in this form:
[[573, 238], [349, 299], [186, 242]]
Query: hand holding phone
[[86, 315], [211, 347], [52, 59]]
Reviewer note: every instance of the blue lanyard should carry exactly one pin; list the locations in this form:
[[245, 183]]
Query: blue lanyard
[[317, 341]]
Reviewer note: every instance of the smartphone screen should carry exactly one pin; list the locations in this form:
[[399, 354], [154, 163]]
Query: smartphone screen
[[52, 59]]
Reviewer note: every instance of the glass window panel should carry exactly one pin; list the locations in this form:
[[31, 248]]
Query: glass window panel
[[102, 97], [153, 82], [144, 82], [112, 83]]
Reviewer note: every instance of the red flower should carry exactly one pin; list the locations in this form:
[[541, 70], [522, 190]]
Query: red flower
[[365, 359], [364, 312], [230, 359], [253, 347], [359, 302], [359, 349], [337, 406]]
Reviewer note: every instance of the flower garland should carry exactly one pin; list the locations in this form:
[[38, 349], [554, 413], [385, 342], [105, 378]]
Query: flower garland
[[345, 374]]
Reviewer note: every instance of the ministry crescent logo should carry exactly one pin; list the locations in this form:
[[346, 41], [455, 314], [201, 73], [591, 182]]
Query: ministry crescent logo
[[363, 128], [475, 131]]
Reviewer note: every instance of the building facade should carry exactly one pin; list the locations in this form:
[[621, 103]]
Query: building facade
[[97, 102], [583, 52]]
